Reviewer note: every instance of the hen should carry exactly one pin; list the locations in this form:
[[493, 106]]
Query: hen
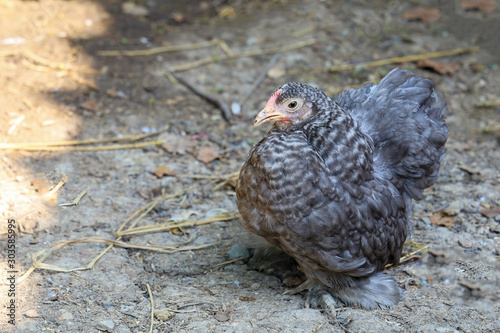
[[332, 183]]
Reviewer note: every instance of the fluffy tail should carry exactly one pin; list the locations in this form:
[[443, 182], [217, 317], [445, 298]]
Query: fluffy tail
[[374, 292], [404, 118]]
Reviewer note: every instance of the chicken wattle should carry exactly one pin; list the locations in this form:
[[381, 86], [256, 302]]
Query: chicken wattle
[[332, 183]]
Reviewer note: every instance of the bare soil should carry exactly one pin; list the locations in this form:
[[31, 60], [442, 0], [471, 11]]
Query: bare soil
[[57, 87]]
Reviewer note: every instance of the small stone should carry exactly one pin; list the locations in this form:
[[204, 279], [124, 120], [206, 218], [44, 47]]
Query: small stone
[[453, 209], [105, 326], [238, 251], [235, 108], [423, 223], [164, 314], [276, 73], [65, 315], [255, 286], [32, 313], [465, 243]]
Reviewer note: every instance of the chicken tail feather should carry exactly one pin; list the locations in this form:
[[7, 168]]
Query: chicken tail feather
[[404, 117]]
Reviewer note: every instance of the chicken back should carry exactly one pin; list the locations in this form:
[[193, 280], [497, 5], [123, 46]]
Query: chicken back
[[332, 183]]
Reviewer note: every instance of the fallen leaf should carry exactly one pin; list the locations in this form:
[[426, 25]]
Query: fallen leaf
[[223, 315], [490, 212], [476, 67], [177, 17], [247, 299], [176, 231], [227, 12], [438, 67], [41, 186], [484, 6], [442, 219], [90, 104], [207, 155], [427, 15], [176, 144], [161, 171]]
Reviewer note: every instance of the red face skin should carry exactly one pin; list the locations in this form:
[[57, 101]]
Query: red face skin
[[286, 113]]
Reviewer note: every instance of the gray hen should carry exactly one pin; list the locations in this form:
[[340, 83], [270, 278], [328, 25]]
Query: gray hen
[[332, 183]]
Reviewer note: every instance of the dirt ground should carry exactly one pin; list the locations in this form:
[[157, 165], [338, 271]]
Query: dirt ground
[[57, 85]]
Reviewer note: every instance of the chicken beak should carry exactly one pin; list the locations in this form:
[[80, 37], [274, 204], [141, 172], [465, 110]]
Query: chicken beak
[[266, 115]]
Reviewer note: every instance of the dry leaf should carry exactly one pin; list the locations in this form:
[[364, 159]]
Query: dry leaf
[[176, 144], [484, 6], [207, 155], [427, 15], [490, 212], [176, 231], [438, 67], [223, 315], [247, 299], [227, 12], [161, 171], [41, 186], [90, 105], [442, 219], [177, 17]]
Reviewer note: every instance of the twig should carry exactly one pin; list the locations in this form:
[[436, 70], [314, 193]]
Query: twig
[[252, 53], [89, 84], [213, 99], [227, 262], [127, 138], [58, 186], [38, 262], [156, 50], [176, 224], [73, 148], [487, 130], [411, 255], [143, 211], [16, 122], [488, 104], [76, 201], [260, 78], [394, 60], [152, 307]]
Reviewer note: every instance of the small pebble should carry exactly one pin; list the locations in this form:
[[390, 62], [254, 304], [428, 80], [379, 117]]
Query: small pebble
[[66, 315], [105, 326], [32, 313], [235, 108], [163, 314], [465, 243]]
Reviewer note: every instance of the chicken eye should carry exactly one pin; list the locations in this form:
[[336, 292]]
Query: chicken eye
[[292, 105]]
